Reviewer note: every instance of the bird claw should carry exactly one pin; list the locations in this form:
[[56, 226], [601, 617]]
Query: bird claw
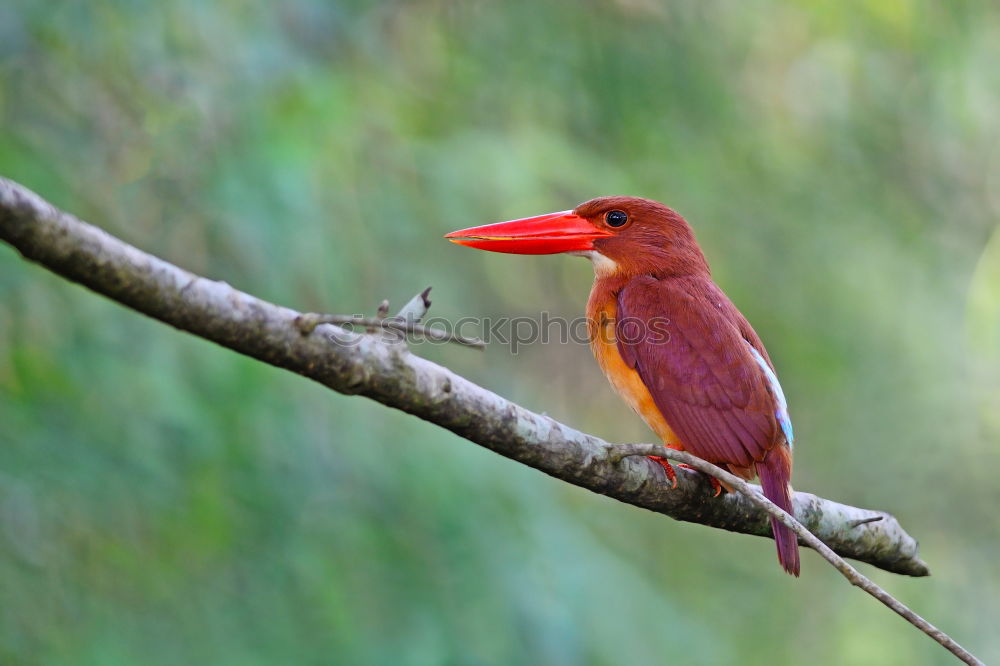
[[668, 468], [672, 475], [716, 486]]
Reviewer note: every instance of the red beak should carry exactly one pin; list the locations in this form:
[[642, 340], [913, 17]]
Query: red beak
[[544, 234]]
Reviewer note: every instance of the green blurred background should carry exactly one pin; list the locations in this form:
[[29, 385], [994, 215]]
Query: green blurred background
[[165, 501]]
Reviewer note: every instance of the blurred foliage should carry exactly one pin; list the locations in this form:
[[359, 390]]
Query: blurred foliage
[[163, 501]]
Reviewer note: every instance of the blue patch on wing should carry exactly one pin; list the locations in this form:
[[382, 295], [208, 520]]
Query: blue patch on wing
[[782, 412]]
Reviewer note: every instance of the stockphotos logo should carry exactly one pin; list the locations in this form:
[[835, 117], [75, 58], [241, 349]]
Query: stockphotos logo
[[516, 333]]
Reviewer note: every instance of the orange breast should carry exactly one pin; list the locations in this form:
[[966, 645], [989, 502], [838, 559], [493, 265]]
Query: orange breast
[[601, 314]]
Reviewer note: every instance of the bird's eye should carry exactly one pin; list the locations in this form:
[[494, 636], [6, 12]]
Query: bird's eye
[[616, 218]]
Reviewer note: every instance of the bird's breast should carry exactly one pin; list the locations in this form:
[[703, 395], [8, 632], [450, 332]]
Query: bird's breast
[[601, 312]]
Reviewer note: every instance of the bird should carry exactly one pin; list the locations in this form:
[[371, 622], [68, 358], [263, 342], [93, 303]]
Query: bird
[[668, 339]]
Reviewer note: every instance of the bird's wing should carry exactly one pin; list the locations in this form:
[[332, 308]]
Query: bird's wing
[[704, 366]]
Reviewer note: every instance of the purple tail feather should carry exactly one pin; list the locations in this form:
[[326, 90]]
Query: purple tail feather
[[775, 472]]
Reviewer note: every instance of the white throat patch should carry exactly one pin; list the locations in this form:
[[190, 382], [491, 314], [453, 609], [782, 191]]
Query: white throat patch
[[603, 266]]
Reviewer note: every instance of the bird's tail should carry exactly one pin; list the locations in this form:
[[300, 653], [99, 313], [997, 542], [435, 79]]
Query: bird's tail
[[775, 472]]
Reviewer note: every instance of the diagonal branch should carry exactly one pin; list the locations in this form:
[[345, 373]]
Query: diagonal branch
[[355, 363], [850, 573]]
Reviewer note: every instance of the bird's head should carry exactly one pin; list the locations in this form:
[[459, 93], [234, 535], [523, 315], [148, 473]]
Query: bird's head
[[623, 236]]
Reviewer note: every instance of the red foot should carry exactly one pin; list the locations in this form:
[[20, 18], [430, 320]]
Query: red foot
[[672, 475], [716, 486], [667, 467]]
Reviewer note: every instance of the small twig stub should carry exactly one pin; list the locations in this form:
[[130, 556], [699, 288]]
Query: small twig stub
[[415, 310]]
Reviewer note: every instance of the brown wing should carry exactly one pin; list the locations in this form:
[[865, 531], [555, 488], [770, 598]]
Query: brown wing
[[689, 344]]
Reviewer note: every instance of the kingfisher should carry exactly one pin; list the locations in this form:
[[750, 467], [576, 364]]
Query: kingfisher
[[671, 343]]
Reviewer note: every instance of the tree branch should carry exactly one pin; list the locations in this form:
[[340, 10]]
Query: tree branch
[[357, 363]]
